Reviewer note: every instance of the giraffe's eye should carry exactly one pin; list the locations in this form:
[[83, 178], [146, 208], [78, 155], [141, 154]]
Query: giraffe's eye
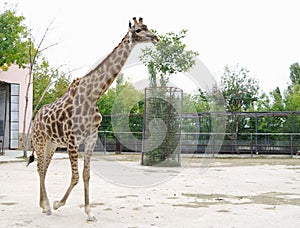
[[138, 30]]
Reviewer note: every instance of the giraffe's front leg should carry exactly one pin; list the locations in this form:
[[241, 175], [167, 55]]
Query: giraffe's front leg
[[73, 156], [86, 178]]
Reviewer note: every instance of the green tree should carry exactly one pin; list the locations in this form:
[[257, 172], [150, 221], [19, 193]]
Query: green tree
[[278, 101], [293, 99], [201, 102], [168, 57], [293, 104], [115, 99], [49, 84], [240, 92], [15, 42], [292, 93], [295, 74], [272, 103], [263, 103], [119, 100], [61, 84]]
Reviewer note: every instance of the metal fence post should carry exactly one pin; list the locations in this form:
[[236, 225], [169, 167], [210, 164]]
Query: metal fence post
[[292, 144], [251, 145], [104, 143], [256, 131]]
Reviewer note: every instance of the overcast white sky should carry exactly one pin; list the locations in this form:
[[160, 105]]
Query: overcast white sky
[[261, 35]]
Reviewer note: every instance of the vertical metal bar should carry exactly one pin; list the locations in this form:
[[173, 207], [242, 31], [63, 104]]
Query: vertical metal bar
[[293, 123], [291, 145], [251, 145], [256, 131], [180, 128], [213, 145], [198, 137], [292, 135], [168, 126], [105, 143], [232, 133], [143, 127]]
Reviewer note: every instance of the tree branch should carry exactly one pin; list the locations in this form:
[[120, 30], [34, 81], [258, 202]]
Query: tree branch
[[32, 63], [48, 47]]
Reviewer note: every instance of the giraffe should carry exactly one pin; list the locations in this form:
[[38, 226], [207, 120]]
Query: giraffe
[[74, 118]]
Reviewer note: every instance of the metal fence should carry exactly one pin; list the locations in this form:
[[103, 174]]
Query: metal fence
[[257, 134], [212, 143], [108, 142], [252, 143]]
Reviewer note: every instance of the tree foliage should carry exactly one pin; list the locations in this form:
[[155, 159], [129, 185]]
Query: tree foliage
[[14, 45], [168, 57], [114, 99], [263, 103], [51, 81], [295, 74], [277, 100], [239, 90], [293, 99], [200, 101], [292, 95]]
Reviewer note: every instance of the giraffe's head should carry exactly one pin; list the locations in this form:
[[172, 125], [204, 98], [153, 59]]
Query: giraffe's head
[[139, 33]]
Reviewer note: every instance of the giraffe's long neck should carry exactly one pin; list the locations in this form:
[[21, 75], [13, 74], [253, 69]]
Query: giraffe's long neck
[[97, 81]]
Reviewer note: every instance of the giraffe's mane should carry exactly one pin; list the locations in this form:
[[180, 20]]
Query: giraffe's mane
[[74, 84]]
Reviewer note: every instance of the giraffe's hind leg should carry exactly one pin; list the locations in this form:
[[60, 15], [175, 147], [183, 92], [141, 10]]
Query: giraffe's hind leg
[[44, 154]]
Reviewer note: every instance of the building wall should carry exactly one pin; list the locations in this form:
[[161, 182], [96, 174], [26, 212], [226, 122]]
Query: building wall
[[15, 75]]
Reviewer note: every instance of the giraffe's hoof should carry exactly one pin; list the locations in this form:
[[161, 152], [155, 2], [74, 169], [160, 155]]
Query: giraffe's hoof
[[56, 205], [91, 218], [47, 212]]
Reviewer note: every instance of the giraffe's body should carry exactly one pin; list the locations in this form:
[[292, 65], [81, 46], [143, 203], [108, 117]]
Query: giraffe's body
[[74, 119]]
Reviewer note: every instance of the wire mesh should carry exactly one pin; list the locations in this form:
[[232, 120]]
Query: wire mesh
[[162, 126]]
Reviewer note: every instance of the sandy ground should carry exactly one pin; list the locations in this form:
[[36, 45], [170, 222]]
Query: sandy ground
[[204, 193]]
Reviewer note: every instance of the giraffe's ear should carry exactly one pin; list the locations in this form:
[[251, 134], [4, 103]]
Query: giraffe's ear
[[130, 25]]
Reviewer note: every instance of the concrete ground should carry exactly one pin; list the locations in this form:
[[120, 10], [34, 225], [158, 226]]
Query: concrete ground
[[227, 192]]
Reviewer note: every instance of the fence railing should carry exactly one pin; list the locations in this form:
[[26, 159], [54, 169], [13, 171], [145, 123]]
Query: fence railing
[[108, 142], [213, 143], [244, 143]]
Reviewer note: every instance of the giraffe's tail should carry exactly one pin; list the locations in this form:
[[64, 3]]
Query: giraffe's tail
[[31, 158]]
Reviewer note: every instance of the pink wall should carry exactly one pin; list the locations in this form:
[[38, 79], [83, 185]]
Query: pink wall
[[20, 76]]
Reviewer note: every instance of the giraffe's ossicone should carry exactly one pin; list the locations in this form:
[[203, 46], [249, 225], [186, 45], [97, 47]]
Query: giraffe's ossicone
[[74, 118]]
